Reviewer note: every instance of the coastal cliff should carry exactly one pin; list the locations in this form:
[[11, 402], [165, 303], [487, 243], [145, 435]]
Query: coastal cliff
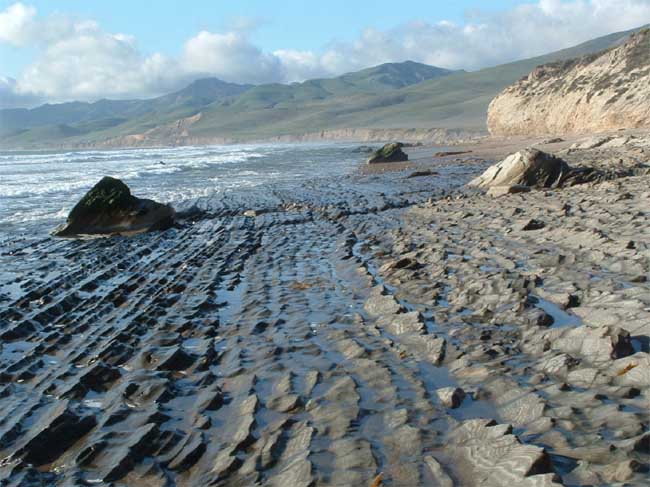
[[600, 92], [177, 134]]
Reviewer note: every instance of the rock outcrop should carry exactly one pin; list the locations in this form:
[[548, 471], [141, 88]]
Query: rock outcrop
[[389, 153], [606, 91], [110, 208], [530, 167]]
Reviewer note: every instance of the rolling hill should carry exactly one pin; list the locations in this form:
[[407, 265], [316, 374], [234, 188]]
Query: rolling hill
[[390, 96]]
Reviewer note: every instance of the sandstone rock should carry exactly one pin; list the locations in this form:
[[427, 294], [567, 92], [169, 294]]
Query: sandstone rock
[[604, 91], [595, 345], [440, 476], [400, 324], [388, 153], [379, 304], [110, 208], [451, 397], [585, 377], [591, 142], [622, 471], [489, 452], [530, 167], [633, 371]]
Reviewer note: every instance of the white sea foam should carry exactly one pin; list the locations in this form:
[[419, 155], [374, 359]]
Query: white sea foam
[[45, 186]]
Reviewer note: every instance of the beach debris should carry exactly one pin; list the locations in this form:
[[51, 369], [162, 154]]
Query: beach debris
[[451, 153], [389, 153], [378, 482], [418, 174], [110, 208]]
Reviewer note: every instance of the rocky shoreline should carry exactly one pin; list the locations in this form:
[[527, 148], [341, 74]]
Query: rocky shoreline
[[373, 330]]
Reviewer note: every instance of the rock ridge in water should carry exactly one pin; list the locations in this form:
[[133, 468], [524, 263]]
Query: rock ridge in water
[[109, 208], [600, 92]]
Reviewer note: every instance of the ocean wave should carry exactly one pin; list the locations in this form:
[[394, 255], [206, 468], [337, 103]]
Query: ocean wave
[[44, 186]]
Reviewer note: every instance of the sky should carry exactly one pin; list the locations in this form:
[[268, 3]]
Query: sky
[[55, 51]]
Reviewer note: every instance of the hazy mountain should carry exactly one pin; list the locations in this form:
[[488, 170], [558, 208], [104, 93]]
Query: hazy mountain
[[394, 95], [114, 112]]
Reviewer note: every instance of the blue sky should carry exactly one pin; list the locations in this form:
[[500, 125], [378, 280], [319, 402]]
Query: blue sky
[[81, 49], [164, 25]]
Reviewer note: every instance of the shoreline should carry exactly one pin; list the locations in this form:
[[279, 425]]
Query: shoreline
[[431, 136], [372, 325]]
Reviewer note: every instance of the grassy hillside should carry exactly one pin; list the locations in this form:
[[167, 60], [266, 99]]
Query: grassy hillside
[[197, 94], [394, 95], [459, 100]]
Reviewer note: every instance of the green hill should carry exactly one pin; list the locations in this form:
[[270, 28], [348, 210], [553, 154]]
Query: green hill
[[394, 95], [197, 94]]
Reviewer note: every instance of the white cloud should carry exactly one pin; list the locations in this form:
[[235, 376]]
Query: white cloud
[[488, 39], [16, 24], [10, 98], [79, 60], [91, 64], [231, 57]]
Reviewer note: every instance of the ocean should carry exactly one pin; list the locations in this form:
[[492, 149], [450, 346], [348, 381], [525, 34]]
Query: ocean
[[38, 189]]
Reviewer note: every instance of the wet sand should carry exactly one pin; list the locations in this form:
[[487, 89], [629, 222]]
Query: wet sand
[[356, 327]]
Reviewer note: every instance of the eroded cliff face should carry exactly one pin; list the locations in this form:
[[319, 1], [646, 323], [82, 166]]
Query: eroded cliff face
[[179, 133], [606, 91]]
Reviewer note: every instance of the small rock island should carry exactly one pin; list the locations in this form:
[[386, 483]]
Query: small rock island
[[389, 153]]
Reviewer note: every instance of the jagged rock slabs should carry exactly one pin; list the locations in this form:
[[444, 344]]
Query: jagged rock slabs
[[110, 208], [336, 345], [487, 454]]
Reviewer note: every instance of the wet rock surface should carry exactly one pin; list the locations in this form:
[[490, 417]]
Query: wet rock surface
[[353, 328]]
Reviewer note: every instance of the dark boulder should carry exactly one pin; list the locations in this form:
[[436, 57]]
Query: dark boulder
[[110, 208], [389, 153], [533, 224]]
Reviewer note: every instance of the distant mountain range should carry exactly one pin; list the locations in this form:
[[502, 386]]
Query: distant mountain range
[[405, 95]]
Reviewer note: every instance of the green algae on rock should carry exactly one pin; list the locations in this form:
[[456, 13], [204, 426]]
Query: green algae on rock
[[110, 208]]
